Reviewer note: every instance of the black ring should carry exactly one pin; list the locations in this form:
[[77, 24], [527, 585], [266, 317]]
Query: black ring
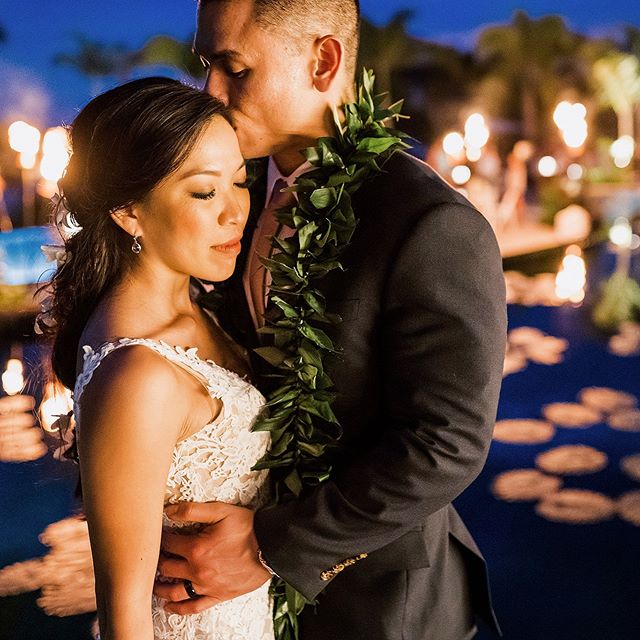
[[191, 592]]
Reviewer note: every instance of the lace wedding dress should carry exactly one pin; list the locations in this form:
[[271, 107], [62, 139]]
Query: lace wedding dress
[[212, 464]]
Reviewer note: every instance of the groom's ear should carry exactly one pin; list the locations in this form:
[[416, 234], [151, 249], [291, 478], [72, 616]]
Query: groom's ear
[[127, 219], [329, 54]]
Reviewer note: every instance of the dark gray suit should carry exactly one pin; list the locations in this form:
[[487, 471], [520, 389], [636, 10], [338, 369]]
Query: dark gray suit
[[423, 338]]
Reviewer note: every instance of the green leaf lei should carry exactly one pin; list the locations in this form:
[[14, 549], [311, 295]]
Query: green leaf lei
[[300, 419]]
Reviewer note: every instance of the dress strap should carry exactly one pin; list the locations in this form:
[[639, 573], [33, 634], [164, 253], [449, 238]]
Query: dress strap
[[204, 371]]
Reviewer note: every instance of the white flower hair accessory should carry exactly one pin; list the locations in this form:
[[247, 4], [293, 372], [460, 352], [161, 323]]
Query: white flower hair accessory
[[45, 322], [62, 219], [54, 253]]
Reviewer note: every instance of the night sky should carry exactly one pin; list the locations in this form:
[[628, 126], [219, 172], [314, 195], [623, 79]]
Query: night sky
[[33, 88]]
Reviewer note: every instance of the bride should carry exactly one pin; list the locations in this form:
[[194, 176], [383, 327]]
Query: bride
[[162, 399]]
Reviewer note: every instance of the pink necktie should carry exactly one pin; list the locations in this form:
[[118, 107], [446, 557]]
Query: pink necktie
[[256, 279]]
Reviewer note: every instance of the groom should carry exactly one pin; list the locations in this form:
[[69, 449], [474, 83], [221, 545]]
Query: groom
[[423, 337]]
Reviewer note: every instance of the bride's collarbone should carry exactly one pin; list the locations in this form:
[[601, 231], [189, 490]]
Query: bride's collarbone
[[212, 345]]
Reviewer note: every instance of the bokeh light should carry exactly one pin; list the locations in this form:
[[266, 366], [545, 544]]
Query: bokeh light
[[622, 151], [453, 144], [461, 174], [547, 166], [575, 171]]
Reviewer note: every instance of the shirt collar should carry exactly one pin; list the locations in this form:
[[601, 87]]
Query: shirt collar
[[273, 174]]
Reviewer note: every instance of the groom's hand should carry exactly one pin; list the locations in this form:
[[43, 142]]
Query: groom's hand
[[220, 560]]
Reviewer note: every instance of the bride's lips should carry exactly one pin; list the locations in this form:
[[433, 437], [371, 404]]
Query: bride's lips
[[232, 247]]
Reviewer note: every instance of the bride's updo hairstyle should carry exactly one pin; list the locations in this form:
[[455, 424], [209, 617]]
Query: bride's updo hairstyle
[[124, 143]]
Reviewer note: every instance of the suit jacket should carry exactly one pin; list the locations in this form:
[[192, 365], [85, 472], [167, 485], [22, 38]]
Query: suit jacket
[[423, 340]]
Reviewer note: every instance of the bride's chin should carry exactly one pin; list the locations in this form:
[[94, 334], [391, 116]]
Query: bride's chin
[[219, 274]]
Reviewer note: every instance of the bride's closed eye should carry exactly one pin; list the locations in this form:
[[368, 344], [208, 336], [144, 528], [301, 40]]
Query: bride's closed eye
[[210, 194], [204, 196]]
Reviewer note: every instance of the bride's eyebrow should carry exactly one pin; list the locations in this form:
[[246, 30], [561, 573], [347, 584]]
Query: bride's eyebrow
[[209, 172]]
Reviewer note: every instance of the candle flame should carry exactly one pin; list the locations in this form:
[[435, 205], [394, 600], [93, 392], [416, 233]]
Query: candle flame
[[12, 378], [571, 279], [24, 138], [56, 402]]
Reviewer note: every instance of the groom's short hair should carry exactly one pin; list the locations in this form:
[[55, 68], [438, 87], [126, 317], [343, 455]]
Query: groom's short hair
[[302, 19]]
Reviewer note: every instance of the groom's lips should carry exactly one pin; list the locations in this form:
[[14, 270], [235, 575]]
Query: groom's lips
[[232, 247]]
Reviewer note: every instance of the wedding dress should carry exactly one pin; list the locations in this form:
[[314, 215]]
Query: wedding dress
[[212, 464]]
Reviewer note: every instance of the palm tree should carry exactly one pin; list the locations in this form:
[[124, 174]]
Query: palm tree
[[385, 48], [432, 78], [617, 77], [632, 45], [530, 62], [170, 52], [632, 40], [98, 60]]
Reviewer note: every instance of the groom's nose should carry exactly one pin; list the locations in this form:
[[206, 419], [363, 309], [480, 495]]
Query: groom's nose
[[216, 85]]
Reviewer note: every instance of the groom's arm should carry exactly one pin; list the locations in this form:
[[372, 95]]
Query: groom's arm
[[443, 332]]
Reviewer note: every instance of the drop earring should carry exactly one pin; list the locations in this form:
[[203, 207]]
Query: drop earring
[[136, 247]]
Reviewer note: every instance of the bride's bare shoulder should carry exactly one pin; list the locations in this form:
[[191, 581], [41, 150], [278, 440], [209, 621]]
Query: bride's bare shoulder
[[133, 369], [134, 389]]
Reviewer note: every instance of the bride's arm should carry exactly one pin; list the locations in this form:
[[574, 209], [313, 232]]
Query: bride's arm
[[131, 415]]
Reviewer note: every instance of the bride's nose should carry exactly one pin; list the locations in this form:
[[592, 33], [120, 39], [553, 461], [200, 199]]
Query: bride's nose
[[236, 209]]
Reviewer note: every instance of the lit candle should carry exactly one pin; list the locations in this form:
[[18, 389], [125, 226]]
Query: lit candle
[[476, 132], [20, 439], [571, 279], [55, 157], [13, 378], [624, 242], [56, 402], [572, 123], [25, 139]]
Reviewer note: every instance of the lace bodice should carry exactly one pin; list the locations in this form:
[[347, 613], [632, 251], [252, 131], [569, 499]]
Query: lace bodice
[[212, 464]]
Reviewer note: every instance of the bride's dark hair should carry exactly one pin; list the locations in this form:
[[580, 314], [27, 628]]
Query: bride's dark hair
[[124, 143]]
